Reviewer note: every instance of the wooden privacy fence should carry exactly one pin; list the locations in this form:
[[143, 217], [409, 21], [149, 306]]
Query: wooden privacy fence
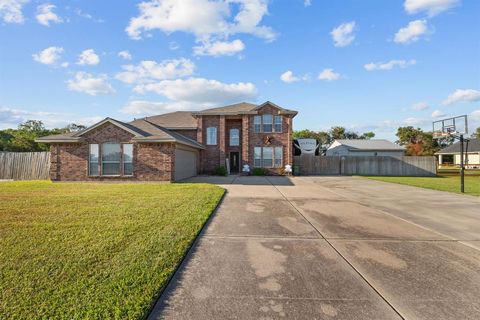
[[365, 165], [25, 165]]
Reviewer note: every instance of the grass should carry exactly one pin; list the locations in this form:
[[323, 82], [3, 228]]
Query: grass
[[446, 183], [91, 251]]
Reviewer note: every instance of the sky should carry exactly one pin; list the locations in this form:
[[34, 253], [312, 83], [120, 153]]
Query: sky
[[370, 65]]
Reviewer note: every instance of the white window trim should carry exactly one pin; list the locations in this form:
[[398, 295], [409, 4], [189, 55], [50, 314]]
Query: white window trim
[[100, 161], [268, 124], [237, 139], [90, 160], [275, 124], [209, 143], [261, 159]]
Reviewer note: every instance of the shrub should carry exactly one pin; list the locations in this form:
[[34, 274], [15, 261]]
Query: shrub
[[259, 171], [220, 171]]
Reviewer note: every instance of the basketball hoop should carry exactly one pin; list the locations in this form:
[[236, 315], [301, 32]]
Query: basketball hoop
[[450, 127], [455, 127]]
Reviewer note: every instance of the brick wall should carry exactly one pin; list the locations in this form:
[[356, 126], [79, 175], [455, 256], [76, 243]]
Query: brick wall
[[210, 157], [215, 155], [277, 139], [152, 162], [192, 134]]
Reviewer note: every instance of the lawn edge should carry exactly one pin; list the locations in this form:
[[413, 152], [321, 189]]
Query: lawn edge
[[409, 185], [184, 257]]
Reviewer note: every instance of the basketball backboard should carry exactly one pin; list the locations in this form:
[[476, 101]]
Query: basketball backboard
[[454, 126]]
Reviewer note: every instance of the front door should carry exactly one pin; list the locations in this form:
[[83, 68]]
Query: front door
[[234, 162]]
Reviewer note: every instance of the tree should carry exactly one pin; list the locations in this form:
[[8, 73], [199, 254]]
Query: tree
[[23, 138], [337, 133], [417, 142], [477, 133], [321, 136], [367, 135]]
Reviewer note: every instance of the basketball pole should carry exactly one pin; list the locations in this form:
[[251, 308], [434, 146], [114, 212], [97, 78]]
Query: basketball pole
[[462, 166]]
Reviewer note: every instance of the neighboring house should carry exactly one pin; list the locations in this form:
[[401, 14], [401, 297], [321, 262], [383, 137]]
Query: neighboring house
[[176, 145], [358, 147], [451, 154]]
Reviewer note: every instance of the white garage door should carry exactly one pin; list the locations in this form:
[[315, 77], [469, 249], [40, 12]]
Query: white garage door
[[185, 164]]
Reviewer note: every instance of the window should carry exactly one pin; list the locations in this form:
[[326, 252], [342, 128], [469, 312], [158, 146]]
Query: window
[[111, 159], [267, 157], [278, 123], [257, 156], [128, 159], [267, 120], [93, 160], [234, 137], [257, 122], [278, 157], [211, 136]]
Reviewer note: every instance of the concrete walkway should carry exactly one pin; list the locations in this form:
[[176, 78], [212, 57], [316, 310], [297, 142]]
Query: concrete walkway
[[330, 248]]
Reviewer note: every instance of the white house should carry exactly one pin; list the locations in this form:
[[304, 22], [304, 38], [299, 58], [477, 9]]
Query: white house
[[451, 154], [357, 147]]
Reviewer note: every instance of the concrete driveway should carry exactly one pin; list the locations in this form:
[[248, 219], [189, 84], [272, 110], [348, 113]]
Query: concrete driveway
[[330, 248]]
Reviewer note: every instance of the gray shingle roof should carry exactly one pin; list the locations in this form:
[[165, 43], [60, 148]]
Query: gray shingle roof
[[473, 146], [172, 120], [374, 144], [142, 129]]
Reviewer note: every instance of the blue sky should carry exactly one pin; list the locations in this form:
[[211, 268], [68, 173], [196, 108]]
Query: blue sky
[[366, 65]]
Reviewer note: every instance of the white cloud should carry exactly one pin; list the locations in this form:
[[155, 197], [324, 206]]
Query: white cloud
[[12, 117], [213, 20], [438, 114], [475, 115], [11, 10], [307, 3], [432, 7], [412, 32], [173, 45], [343, 35], [90, 84], [144, 107], [125, 54], [45, 14], [419, 106], [200, 90], [288, 77], [148, 71], [329, 75], [372, 66], [412, 121], [49, 55], [462, 95], [88, 57], [219, 48]]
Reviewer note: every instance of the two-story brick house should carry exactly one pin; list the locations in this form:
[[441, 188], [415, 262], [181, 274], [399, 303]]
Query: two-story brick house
[[175, 145]]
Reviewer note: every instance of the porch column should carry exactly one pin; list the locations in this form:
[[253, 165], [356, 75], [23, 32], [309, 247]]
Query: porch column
[[440, 159], [245, 140], [221, 140]]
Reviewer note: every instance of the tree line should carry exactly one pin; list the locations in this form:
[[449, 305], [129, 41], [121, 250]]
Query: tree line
[[416, 141], [23, 138]]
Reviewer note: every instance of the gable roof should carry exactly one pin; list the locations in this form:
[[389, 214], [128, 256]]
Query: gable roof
[[173, 120], [143, 131], [473, 146], [374, 144], [242, 108]]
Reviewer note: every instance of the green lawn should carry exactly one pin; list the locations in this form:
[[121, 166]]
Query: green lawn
[[96, 251], [447, 183]]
